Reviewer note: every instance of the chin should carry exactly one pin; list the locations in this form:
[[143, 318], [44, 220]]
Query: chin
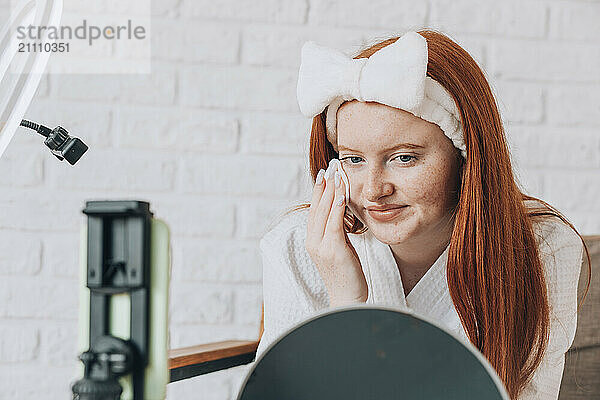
[[389, 235], [392, 232]]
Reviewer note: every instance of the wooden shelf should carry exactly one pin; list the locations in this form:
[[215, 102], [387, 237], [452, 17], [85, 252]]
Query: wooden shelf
[[210, 352]]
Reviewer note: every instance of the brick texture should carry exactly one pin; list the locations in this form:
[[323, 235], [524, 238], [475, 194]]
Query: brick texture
[[213, 138]]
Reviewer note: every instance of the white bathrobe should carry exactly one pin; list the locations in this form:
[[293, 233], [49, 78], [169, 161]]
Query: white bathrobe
[[293, 289]]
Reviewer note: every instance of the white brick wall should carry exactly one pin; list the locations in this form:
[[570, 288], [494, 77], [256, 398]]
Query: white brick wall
[[214, 140]]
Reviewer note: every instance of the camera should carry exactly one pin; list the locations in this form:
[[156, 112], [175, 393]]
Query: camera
[[64, 146], [60, 143]]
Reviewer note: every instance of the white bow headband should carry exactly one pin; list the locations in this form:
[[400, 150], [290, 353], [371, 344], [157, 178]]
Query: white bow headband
[[396, 76]]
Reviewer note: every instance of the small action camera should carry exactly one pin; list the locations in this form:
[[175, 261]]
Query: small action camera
[[60, 143]]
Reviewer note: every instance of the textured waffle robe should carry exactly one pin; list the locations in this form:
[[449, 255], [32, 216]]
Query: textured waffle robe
[[294, 291]]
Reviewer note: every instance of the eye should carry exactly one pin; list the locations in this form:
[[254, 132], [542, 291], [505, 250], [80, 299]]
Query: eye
[[351, 159], [405, 158]]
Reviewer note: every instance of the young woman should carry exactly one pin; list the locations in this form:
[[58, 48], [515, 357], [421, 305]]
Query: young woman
[[422, 211]]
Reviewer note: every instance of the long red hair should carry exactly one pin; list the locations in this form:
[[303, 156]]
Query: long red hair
[[495, 275]]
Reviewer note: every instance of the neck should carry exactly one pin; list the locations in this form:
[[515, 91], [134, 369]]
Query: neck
[[414, 258]]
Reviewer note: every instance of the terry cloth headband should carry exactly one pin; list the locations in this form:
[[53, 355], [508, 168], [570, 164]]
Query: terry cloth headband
[[395, 76]]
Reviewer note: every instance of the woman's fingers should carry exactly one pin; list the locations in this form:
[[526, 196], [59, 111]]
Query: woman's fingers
[[322, 212], [327, 244], [335, 223], [318, 189]]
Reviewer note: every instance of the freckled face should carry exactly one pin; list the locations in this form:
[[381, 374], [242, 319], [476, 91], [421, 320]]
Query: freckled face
[[381, 170]]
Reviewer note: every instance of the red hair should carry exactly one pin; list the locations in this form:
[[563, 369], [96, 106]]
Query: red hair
[[495, 275]]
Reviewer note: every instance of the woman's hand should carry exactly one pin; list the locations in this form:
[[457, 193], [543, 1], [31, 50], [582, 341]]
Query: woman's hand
[[328, 245]]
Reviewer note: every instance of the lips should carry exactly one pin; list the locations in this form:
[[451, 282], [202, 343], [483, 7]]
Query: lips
[[384, 207], [386, 214]]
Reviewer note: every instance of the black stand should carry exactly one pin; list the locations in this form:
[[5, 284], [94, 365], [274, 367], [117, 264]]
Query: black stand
[[118, 261]]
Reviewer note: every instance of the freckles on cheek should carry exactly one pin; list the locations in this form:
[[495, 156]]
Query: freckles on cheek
[[429, 187]]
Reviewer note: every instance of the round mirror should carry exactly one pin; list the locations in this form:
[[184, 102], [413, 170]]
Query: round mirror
[[367, 352]]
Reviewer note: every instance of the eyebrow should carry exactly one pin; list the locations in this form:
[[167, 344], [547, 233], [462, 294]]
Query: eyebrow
[[405, 145]]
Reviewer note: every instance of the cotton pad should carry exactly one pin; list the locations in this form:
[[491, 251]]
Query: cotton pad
[[338, 165]]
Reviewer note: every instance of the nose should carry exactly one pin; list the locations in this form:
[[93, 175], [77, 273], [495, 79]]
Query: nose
[[377, 185]]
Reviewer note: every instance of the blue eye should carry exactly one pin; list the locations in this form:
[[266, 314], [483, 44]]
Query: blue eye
[[354, 160], [405, 161], [350, 160]]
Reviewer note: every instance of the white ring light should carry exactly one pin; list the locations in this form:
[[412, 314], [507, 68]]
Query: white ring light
[[20, 73]]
